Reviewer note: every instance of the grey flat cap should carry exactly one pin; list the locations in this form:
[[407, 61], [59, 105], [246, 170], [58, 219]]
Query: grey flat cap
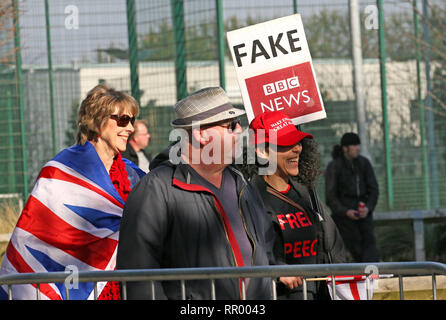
[[207, 105]]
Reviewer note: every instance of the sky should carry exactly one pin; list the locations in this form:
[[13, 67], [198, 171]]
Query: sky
[[80, 27]]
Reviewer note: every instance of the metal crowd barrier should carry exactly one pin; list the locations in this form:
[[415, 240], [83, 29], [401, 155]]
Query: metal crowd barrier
[[399, 269]]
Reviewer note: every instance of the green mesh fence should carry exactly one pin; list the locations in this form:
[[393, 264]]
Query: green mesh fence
[[11, 161], [175, 50]]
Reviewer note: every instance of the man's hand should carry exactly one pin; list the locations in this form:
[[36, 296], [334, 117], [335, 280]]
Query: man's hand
[[363, 212], [291, 282], [352, 214]]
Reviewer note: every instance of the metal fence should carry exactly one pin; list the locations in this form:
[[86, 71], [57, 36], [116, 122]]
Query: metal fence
[[53, 51], [372, 271]]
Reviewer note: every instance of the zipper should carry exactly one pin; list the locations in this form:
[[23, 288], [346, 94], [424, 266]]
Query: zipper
[[357, 181], [246, 228], [227, 239], [254, 247], [241, 215]]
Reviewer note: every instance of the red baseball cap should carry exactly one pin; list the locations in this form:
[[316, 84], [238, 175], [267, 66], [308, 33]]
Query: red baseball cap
[[266, 126]]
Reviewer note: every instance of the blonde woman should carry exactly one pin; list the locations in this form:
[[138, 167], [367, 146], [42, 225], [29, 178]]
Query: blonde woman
[[72, 217]]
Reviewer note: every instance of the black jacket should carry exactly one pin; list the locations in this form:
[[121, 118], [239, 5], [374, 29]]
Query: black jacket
[[169, 221], [131, 155], [330, 245], [349, 182]]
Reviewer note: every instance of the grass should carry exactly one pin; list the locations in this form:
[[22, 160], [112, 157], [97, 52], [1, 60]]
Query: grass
[[9, 214], [410, 295]]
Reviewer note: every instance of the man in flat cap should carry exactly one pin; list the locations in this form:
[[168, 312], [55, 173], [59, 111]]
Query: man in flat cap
[[195, 209]]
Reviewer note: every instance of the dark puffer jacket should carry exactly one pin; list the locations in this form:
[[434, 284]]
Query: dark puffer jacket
[[170, 221]]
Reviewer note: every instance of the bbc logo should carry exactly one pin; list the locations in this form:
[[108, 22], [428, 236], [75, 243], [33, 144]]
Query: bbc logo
[[281, 85]]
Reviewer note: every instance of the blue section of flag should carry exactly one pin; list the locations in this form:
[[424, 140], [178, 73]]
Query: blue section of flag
[[83, 288], [97, 218], [3, 294], [133, 171], [134, 167], [50, 265]]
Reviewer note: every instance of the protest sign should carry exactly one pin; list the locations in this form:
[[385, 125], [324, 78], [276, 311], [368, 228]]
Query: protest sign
[[275, 71]]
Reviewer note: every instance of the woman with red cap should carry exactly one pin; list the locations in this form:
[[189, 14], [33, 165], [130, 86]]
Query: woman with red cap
[[304, 234]]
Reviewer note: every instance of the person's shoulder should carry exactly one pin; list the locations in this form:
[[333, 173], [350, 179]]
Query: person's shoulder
[[334, 162], [257, 181], [364, 160], [162, 171], [299, 186], [161, 175]]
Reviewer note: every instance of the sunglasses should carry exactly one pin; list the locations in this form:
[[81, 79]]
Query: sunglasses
[[123, 120], [231, 125]]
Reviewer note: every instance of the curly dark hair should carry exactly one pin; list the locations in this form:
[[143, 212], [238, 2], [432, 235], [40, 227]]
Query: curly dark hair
[[309, 164]]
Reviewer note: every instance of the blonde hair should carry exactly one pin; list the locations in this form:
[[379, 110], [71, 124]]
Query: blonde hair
[[96, 108]]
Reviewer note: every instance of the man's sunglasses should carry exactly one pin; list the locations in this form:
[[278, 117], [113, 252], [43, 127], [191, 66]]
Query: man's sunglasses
[[123, 120], [231, 125]]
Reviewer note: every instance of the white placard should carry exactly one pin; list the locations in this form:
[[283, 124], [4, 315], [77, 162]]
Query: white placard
[[275, 71]]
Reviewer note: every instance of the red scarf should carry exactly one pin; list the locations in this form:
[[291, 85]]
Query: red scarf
[[119, 177]]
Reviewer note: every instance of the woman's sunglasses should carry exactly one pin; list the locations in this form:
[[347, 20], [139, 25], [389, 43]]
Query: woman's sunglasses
[[123, 120]]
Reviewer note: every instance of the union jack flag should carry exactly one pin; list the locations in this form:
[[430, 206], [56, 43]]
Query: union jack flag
[[71, 218]]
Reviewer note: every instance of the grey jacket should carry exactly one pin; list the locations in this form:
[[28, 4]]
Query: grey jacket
[[169, 221]]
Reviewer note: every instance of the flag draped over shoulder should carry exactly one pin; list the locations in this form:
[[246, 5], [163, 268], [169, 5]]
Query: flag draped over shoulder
[[71, 218]]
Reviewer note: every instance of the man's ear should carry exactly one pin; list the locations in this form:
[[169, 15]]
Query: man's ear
[[262, 153], [201, 136]]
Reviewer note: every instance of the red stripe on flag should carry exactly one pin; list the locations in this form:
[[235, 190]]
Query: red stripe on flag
[[348, 279], [40, 221], [354, 290], [21, 266], [55, 173]]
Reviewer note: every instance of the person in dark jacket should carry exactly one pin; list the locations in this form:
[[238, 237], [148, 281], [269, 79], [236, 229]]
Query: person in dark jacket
[[304, 233], [195, 209], [351, 192], [137, 142]]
